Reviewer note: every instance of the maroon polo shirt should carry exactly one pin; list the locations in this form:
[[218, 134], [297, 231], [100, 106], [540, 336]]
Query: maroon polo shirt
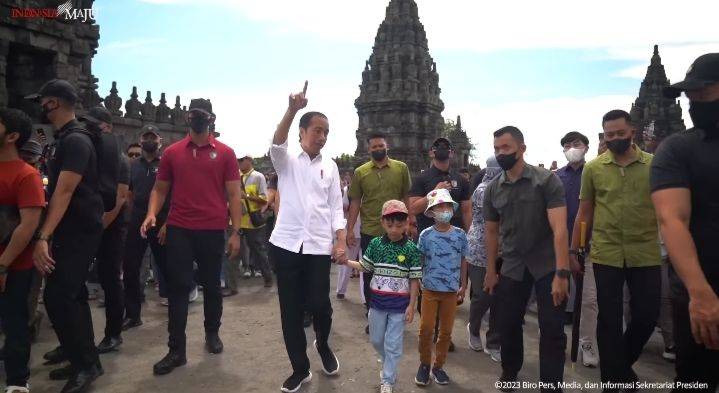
[[198, 175]]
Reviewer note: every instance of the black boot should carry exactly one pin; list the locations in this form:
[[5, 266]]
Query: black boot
[[213, 344], [55, 356], [109, 344], [80, 382], [171, 361]]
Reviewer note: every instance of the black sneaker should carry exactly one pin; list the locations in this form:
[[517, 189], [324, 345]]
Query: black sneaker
[[109, 344], [440, 376], [422, 378], [330, 364], [295, 381]]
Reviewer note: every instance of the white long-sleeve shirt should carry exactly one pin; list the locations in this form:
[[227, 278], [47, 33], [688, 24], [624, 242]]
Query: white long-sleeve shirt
[[310, 202]]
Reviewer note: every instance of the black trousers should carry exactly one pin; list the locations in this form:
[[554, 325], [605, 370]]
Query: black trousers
[[511, 300], [109, 272], [695, 363], [184, 247], [366, 276], [619, 349], [135, 248], [73, 250], [303, 283], [14, 317]]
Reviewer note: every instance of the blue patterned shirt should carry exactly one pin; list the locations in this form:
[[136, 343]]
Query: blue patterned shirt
[[442, 254]]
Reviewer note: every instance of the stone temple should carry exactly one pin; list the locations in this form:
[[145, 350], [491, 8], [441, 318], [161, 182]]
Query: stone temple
[[35, 49], [655, 116], [399, 94]]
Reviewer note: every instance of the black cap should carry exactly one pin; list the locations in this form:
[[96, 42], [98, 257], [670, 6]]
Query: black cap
[[59, 88], [149, 129], [702, 73], [442, 139], [201, 104], [96, 115]]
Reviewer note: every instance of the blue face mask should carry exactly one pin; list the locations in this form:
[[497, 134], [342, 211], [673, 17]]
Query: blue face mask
[[443, 217]]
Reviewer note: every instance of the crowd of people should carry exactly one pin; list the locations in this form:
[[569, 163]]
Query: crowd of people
[[616, 246]]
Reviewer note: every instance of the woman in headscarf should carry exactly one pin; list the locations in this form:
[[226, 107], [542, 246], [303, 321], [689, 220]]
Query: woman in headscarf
[[481, 301]]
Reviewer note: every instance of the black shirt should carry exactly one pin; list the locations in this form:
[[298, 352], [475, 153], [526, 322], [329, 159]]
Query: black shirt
[[690, 159], [75, 152], [142, 179], [428, 180]]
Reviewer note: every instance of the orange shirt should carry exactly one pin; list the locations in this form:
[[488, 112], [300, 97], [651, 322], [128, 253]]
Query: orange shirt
[[20, 186]]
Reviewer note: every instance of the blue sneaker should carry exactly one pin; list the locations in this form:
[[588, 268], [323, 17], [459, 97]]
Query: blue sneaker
[[440, 376], [422, 378]]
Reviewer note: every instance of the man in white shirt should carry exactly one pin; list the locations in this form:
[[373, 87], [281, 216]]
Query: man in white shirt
[[311, 220]]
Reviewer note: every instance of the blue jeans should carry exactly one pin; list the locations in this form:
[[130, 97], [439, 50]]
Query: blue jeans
[[386, 332]]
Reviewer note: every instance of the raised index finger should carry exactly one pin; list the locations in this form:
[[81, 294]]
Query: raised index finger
[[304, 89]]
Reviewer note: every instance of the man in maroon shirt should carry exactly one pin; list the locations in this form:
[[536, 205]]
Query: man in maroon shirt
[[204, 176]]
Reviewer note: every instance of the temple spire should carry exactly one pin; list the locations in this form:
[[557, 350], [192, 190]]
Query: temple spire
[[653, 114], [399, 94]]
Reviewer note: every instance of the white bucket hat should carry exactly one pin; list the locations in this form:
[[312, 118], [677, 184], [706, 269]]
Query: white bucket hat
[[438, 197]]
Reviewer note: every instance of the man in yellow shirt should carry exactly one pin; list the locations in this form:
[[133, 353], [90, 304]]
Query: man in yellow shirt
[[615, 202], [255, 187]]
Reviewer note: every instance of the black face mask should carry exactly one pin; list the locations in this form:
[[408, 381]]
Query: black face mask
[[507, 161], [705, 115], [199, 124], [378, 155], [441, 154], [619, 146], [150, 146], [44, 111]]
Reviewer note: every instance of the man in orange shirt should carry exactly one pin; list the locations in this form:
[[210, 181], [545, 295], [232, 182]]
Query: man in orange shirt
[[21, 201]]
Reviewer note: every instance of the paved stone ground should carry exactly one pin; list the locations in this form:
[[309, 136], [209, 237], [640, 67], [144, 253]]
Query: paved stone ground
[[255, 360]]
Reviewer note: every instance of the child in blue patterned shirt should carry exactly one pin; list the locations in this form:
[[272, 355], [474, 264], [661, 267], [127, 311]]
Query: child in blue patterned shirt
[[444, 279]]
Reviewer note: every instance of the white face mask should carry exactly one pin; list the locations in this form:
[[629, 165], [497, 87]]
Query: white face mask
[[575, 155]]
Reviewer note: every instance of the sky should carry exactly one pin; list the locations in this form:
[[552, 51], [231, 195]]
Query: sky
[[545, 67]]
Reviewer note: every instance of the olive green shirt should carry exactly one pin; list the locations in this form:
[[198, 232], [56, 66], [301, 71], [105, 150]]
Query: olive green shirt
[[373, 186], [625, 226]]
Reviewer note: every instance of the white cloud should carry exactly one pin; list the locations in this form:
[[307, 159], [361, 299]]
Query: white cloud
[[483, 26]]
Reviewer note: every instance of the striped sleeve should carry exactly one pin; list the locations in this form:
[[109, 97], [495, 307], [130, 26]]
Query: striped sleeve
[[369, 258]]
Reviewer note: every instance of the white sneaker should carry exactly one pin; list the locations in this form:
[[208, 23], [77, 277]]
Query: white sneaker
[[194, 295], [495, 354], [258, 274], [475, 342], [19, 389], [669, 354], [589, 355], [386, 388], [247, 274]]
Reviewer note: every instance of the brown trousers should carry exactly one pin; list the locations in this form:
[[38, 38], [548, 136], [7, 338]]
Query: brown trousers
[[433, 303]]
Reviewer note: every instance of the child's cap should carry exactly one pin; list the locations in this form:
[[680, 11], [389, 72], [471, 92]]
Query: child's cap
[[393, 206], [438, 197]]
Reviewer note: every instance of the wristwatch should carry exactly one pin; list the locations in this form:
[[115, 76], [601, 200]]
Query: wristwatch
[[40, 236], [239, 232], [563, 273]]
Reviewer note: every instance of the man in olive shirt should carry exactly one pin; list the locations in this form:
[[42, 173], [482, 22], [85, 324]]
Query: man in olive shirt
[[525, 206], [375, 182], [615, 200]]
